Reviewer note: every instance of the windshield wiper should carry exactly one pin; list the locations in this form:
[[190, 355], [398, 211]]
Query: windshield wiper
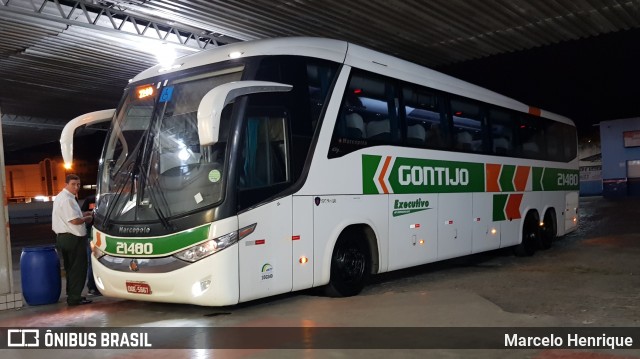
[[132, 165], [156, 202], [116, 199]]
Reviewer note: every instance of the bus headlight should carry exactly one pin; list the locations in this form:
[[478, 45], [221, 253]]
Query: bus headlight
[[205, 249]]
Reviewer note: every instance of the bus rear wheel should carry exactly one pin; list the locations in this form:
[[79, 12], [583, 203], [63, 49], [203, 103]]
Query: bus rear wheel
[[350, 266], [530, 236], [548, 232]]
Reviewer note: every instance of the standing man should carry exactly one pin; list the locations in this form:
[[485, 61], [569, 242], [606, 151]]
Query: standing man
[[68, 222]]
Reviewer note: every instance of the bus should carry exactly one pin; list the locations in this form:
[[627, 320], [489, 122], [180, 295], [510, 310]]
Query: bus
[[270, 166]]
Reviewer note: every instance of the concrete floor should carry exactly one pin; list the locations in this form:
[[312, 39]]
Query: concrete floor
[[590, 278]]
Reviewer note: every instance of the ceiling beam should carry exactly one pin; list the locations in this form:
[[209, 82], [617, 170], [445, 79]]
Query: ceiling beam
[[98, 17], [30, 121]]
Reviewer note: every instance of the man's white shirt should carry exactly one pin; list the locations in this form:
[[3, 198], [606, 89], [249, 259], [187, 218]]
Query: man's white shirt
[[65, 209]]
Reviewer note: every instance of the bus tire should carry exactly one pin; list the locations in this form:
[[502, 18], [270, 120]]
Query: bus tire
[[548, 232], [530, 236], [350, 266]]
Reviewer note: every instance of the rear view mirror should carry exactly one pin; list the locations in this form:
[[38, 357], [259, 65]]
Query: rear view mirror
[[212, 104], [66, 138]]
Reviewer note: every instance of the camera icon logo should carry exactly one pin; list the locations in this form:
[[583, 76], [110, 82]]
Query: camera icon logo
[[23, 338]]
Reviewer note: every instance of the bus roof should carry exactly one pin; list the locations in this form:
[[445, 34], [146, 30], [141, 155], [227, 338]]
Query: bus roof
[[352, 55], [333, 50]]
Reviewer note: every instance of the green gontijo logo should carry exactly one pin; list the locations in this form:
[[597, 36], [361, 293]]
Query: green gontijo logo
[[390, 174], [433, 176], [406, 207]]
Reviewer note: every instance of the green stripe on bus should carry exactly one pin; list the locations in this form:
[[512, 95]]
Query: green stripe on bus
[[499, 202], [416, 175], [555, 179], [506, 178], [412, 175], [537, 177], [369, 167], [158, 245]]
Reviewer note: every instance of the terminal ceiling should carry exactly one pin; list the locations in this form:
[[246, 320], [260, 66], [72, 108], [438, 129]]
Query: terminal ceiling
[[63, 58]]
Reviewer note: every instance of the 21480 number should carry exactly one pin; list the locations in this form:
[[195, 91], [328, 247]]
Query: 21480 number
[[134, 248]]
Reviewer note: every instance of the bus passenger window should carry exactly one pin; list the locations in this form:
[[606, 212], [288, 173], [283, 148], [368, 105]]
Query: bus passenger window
[[502, 134], [570, 143], [379, 130], [424, 115], [416, 135], [467, 126], [531, 136], [553, 135], [368, 117], [355, 126], [436, 138], [464, 141]]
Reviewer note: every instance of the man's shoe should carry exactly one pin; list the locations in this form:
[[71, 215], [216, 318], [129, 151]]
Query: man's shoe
[[82, 301], [94, 292]]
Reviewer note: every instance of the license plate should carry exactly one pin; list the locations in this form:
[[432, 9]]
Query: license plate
[[138, 287]]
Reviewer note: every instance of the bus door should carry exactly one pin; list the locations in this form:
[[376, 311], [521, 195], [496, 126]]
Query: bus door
[[266, 253]]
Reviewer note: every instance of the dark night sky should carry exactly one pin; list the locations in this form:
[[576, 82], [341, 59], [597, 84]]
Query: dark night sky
[[588, 80]]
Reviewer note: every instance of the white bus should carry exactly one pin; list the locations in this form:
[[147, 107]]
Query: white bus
[[270, 166]]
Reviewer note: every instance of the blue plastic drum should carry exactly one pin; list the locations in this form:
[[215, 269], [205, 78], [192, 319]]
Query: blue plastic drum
[[40, 272]]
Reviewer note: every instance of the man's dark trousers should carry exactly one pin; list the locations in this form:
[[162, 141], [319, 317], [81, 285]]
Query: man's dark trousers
[[74, 257]]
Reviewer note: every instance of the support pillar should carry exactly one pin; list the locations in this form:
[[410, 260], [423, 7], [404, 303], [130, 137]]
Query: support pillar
[[9, 299]]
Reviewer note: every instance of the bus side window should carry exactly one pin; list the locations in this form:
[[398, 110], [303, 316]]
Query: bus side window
[[311, 80], [468, 126], [319, 77], [416, 135], [355, 126], [379, 130], [570, 143], [502, 134], [554, 133], [561, 141], [423, 115], [264, 155], [531, 137], [350, 124], [369, 115], [379, 108]]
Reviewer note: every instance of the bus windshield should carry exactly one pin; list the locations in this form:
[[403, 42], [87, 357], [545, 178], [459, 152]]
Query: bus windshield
[[153, 167]]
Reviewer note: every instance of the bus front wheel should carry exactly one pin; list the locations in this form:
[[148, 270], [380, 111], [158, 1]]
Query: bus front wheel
[[530, 236], [350, 266]]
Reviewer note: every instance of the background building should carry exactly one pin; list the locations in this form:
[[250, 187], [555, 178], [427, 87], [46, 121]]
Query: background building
[[620, 141], [42, 181], [590, 156]]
